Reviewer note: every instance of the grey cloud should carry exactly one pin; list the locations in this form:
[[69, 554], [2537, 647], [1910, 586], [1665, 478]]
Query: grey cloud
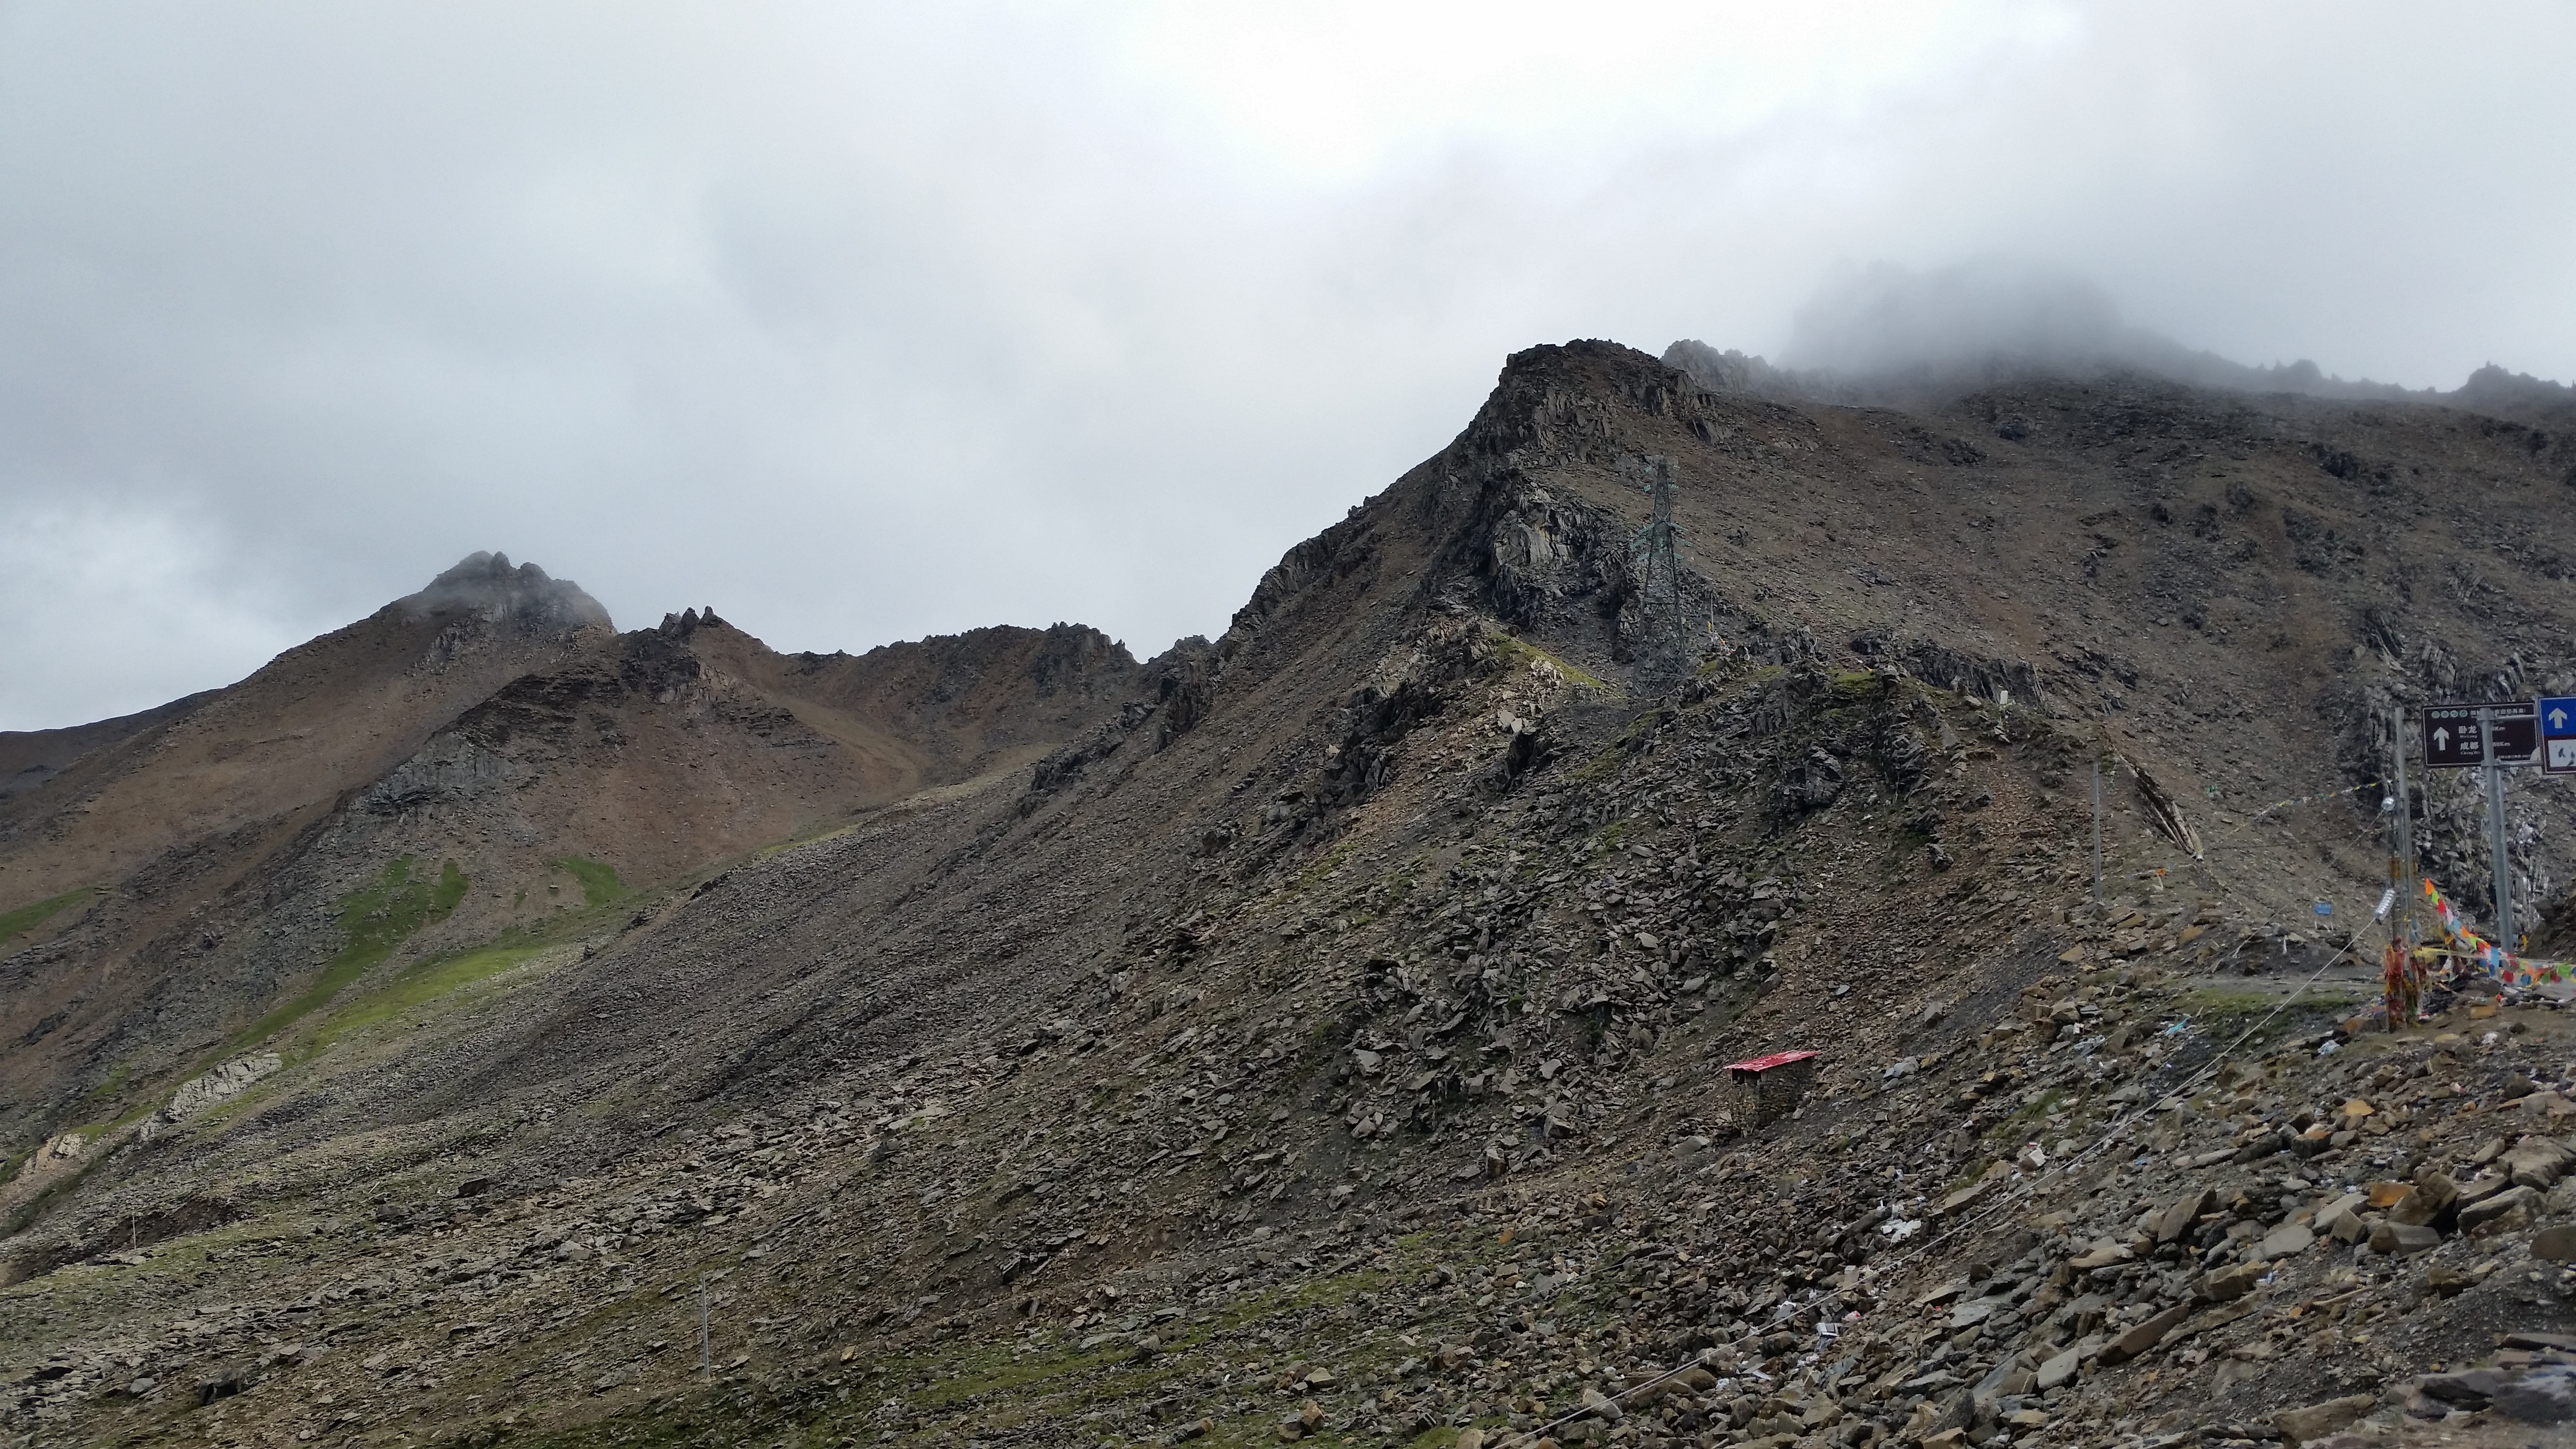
[[1883, 333], [1883, 318], [863, 324]]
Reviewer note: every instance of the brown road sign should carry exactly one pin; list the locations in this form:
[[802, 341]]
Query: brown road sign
[[2452, 741]]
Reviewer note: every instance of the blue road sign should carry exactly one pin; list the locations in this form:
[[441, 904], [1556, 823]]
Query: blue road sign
[[2558, 735]]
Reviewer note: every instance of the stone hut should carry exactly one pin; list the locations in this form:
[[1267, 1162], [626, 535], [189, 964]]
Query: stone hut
[[1766, 1089]]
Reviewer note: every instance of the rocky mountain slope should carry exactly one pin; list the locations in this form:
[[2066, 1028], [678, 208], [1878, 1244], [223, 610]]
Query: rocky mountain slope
[[320, 719], [466, 766], [28, 758], [1320, 1033]]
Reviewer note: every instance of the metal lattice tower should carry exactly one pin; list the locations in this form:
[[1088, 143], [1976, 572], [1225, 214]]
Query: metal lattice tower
[[1654, 543], [1662, 653]]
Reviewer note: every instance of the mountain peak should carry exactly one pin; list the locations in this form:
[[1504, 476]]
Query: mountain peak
[[487, 584]]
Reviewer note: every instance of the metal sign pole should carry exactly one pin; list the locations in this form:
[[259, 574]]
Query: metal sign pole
[[2498, 856], [2405, 883], [2097, 830], [706, 1343]]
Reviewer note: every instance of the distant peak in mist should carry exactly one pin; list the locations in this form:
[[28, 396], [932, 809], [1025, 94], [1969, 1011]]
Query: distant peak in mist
[[524, 596], [2493, 389], [1881, 332]]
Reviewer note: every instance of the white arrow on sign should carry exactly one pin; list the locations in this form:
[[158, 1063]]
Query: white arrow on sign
[[2558, 718], [2441, 740]]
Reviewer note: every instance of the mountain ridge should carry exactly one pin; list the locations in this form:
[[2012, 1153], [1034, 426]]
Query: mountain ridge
[[1339, 1010], [516, 731]]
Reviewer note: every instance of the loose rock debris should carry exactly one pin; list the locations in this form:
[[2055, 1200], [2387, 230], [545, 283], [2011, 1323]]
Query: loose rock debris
[[1334, 1050]]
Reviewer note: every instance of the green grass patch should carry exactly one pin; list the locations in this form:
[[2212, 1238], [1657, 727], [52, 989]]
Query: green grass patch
[[1613, 837], [172, 1258], [1615, 756], [422, 983], [997, 1368], [374, 919], [1969, 1176], [1322, 866], [112, 1085], [1521, 651], [1065, 1376], [1291, 1299], [2219, 1000], [19, 920], [1398, 884], [2046, 1104], [1012, 1382], [599, 883], [1601, 766], [2224, 1014], [15, 1221]]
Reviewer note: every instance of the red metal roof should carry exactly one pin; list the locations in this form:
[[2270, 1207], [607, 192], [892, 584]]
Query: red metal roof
[[1764, 1064]]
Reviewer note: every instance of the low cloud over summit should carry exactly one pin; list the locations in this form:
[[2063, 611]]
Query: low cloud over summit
[[1882, 330], [878, 323]]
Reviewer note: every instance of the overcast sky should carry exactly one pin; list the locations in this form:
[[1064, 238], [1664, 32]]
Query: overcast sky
[[862, 324]]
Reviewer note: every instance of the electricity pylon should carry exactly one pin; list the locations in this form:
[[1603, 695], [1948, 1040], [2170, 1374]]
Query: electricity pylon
[[1662, 653]]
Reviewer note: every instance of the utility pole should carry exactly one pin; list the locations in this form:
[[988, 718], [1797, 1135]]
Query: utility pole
[[2499, 856], [2097, 830]]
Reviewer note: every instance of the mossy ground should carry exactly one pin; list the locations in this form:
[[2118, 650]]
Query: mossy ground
[[1219, 1363], [373, 920], [2222, 1014], [599, 883], [1521, 651], [422, 984], [19, 920]]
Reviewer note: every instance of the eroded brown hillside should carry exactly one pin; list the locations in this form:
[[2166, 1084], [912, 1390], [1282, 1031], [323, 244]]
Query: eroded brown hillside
[[469, 765]]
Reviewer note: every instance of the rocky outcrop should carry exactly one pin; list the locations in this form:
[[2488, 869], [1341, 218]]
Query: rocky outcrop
[[453, 771], [199, 1093], [1731, 371]]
